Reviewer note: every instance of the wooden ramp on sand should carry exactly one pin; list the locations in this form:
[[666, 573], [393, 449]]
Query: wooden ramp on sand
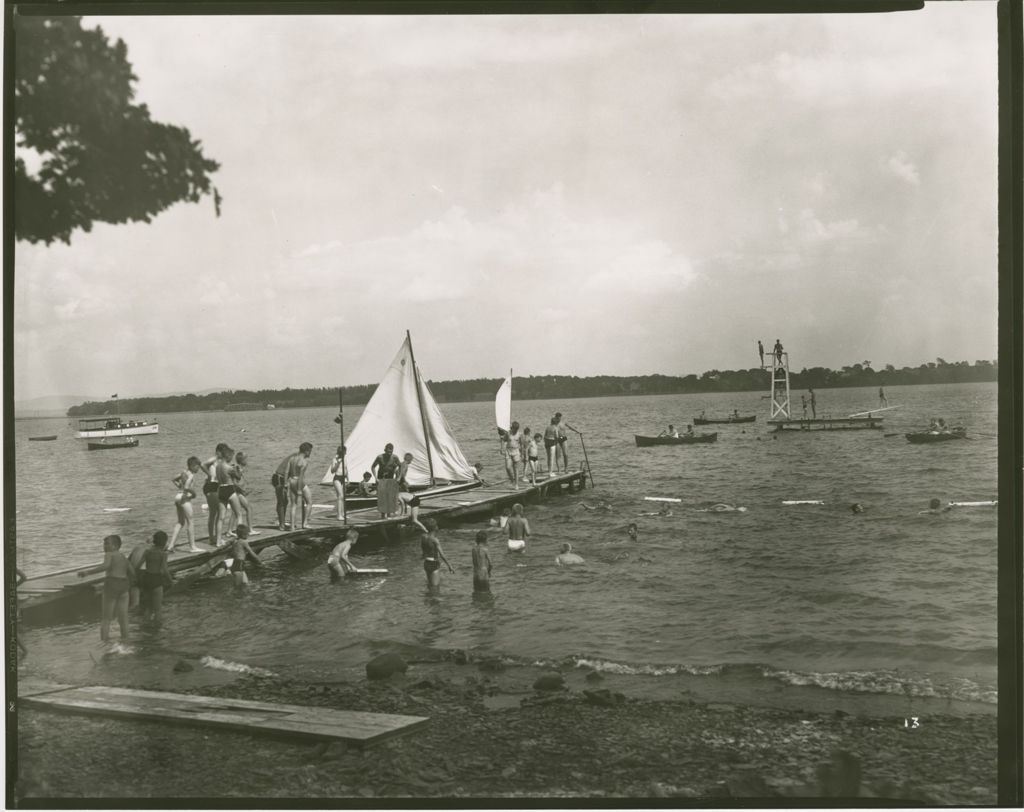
[[354, 727]]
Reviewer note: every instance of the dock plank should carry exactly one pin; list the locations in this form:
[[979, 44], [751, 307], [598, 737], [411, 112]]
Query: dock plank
[[357, 727]]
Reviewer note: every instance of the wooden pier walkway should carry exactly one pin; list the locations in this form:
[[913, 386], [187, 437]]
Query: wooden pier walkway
[[360, 728], [48, 597]]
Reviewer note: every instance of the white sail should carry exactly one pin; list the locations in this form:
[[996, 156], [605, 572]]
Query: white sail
[[503, 405], [393, 416]]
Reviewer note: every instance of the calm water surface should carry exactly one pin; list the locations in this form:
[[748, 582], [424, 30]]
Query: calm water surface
[[885, 601]]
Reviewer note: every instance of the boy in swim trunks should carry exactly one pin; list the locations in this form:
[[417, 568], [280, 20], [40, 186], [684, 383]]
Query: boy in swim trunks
[[518, 530], [551, 444], [481, 564], [297, 487], [433, 555], [242, 552], [116, 585], [337, 562], [279, 480], [135, 559], [155, 575], [531, 454], [567, 556]]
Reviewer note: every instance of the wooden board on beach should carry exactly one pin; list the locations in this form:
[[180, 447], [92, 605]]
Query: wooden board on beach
[[355, 727]]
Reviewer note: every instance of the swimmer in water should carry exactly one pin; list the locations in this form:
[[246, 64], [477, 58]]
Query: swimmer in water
[[723, 507], [599, 506], [633, 532], [518, 530], [934, 507], [856, 507], [567, 556]]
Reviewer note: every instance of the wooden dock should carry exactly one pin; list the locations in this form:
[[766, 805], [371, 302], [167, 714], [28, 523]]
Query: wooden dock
[[827, 423], [50, 597], [295, 721]]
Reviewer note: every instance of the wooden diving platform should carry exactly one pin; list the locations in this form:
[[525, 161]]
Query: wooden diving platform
[[45, 598], [826, 423], [359, 728]]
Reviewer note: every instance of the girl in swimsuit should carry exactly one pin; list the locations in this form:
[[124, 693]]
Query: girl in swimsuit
[[430, 547], [227, 492], [513, 456], [210, 488], [338, 470], [237, 474], [183, 504], [119, 574]]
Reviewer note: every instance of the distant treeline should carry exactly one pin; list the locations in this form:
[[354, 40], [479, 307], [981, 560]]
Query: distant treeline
[[553, 387]]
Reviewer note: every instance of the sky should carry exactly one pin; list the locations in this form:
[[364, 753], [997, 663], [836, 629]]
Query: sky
[[565, 195]]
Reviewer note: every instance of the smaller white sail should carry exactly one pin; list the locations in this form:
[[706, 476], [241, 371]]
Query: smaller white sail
[[503, 405]]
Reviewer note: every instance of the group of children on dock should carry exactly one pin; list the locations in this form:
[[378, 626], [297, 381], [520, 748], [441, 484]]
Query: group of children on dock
[[522, 448]]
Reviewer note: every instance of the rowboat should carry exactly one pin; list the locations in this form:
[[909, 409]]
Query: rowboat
[[106, 444], [47, 437], [644, 442], [706, 421], [958, 433]]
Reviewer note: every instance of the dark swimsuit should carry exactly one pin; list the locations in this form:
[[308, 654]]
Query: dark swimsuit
[[225, 492], [429, 549], [210, 486]]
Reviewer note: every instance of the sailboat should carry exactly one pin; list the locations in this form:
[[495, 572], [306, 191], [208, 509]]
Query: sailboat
[[503, 405], [403, 412]]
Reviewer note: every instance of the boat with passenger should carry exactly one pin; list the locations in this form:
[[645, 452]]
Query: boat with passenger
[[735, 417], [667, 439], [937, 435], [95, 427], [108, 443]]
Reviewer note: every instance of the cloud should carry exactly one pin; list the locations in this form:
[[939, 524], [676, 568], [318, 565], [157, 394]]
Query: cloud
[[901, 167]]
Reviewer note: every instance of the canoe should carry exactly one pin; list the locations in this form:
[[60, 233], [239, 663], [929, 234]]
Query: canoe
[[116, 442], [937, 436], [47, 437], [706, 421], [643, 442]]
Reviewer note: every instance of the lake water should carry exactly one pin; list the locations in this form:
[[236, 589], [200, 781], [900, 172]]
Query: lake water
[[886, 601]]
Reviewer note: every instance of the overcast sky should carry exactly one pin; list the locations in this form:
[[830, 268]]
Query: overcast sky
[[561, 195]]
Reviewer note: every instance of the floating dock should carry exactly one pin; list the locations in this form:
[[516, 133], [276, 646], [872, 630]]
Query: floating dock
[[294, 721], [826, 423], [52, 596]]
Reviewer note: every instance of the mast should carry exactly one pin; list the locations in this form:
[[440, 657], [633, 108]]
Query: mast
[[344, 472], [419, 400]]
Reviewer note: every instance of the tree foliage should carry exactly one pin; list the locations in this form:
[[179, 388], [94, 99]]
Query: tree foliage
[[548, 387], [102, 158]]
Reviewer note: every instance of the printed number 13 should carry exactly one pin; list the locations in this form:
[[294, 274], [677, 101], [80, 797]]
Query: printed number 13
[[913, 722]]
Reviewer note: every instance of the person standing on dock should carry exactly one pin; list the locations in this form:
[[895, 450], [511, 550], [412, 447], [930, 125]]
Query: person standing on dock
[[481, 565], [385, 469], [433, 555], [882, 399], [814, 403], [297, 487], [237, 476], [227, 493], [563, 441], [517, 529], [760, 352], [551, 445], [210, 491], [803, 402], [185, 481], [279, 479], [338, 480], [531, 457], [513, 453], [118, 575], [778, 350]]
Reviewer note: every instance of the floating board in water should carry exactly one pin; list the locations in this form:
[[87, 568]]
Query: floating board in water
[[662, 499], [802, 502], [328, 507], [990, 503], [115, 510], [368, 571]]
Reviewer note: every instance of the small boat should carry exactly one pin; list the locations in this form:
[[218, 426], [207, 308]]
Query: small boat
[[105, 443], [958, 433], [706, 421], [683, 439], [93, 427], [47, 437]]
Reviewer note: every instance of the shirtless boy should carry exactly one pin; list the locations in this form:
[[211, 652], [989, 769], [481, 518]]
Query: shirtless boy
[[337, 562], [481, 564], [297, 487], [241, 552], [518, 530]]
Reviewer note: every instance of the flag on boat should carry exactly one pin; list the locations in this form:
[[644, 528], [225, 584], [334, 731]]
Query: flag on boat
[[113, 396], [403, 412], [503, 405]]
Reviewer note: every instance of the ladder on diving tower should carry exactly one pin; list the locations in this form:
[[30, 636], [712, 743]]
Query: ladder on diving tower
[[779, 393]]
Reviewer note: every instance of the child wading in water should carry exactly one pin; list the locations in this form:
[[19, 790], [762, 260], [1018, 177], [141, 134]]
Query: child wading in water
[[433, 555], [116, 585], [337, 562], [242, 552], [481, 564], [518, 530], [155, 576]]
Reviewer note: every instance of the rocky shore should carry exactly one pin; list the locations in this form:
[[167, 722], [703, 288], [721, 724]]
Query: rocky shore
[[547, 741]]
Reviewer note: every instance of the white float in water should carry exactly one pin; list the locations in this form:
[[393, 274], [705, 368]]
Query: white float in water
[[662, 499], [989, 503], [115, 510], [802, 502]]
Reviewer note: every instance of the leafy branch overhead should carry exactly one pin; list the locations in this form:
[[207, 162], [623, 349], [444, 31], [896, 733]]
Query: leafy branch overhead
[[85, 153]]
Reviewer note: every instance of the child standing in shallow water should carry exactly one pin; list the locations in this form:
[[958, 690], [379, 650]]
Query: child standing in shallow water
[[116, 585], [481, 564], [155, 576]]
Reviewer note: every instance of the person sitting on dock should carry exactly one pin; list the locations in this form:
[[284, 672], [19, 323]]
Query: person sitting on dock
[[241, 552], [670, 433], [118, 575], [517, 529], [481, 565], [433, 555], [567, 556], [337, 562], [155, 576]]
